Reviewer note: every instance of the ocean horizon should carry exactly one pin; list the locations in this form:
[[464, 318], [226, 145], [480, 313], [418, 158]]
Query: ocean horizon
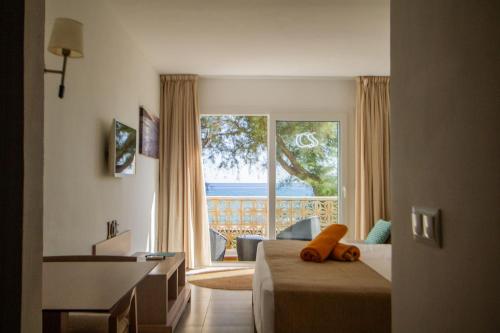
[[256, 189]]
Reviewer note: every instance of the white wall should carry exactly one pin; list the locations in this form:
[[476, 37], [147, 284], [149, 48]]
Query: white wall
[[111, 81], [282, 96]]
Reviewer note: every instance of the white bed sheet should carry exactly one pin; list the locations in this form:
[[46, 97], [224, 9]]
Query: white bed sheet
[[377, 256]]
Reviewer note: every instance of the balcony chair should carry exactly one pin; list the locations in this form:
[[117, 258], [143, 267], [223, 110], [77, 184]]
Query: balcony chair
[[305, 229], [217, 245]]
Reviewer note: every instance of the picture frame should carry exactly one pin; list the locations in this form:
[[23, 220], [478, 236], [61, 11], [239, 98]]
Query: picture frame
[[149, 134]]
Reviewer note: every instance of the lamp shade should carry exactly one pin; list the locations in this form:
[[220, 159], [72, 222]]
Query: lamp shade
[[67, 34]]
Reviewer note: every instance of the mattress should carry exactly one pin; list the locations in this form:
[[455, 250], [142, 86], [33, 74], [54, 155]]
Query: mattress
[[376, 256]]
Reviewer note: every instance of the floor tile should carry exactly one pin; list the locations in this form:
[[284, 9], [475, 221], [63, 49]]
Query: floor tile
[[230, 305], [200, 293], [192, 318], [197, 306], [232, 295], [228, 329], [188, 329], [232, 318], [221, 311]]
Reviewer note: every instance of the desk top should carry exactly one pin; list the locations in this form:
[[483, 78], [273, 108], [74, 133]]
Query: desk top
[[167, 266], [89, 286]]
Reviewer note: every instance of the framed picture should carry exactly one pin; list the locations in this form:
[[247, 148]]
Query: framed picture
[[149, 134]]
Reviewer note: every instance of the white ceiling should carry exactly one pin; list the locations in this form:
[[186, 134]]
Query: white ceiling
[[260, 37]]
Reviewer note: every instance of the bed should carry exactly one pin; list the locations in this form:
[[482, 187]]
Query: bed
[[375, 261]]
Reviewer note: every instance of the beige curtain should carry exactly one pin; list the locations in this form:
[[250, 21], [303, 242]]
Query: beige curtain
[[372, 197], [183, 218]]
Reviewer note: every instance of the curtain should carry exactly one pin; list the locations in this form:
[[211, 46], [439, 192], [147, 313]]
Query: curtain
[[372, 155], [182, 211]]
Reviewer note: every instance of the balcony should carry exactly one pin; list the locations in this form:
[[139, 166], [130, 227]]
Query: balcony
[[234, 216]]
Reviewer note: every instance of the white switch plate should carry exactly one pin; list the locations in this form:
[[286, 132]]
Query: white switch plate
[[426, 225]]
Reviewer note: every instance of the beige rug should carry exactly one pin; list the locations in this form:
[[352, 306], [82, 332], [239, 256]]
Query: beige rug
[[230, 279]]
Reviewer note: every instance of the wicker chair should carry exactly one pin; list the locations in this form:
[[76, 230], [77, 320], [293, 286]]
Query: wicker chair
[[305, 229], [217, 245]]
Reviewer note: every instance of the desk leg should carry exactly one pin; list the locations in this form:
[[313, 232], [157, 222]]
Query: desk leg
[[55, 322]]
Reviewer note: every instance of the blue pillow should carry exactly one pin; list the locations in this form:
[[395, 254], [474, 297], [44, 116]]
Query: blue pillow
[[380, 233]]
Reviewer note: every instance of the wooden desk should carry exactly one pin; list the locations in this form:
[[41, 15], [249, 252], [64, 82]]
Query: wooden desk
[[163, 295], [87, 286]]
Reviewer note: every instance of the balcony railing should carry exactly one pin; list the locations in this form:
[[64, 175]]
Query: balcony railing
[[235, 216]]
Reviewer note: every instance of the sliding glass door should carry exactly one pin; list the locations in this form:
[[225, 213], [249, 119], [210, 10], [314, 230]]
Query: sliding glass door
[[264, 173], [235, 159]]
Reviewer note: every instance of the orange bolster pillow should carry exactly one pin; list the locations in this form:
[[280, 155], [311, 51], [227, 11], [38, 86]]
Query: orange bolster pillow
[[344, 252], [320, 247]]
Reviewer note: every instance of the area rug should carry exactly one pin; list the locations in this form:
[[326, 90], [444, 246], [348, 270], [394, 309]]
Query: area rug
[[228, 279]]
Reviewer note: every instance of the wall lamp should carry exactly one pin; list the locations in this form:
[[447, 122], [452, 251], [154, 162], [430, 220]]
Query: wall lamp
[[66, 41]]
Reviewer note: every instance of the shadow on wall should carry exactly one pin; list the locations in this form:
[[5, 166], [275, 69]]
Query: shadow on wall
[[104, 128]]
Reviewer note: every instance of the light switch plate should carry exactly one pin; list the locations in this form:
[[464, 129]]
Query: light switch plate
[[426, 225]]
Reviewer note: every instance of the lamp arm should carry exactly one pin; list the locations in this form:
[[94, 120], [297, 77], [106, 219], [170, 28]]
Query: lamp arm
[[61, 86], [53, 71], [66, 53]]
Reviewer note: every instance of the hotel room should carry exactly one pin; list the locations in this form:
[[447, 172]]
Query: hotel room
[[270, 166]]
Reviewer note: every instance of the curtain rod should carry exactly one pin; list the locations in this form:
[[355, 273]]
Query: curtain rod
[[271, 77]]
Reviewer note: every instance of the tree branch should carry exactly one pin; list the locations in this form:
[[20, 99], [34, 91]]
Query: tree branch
[[295, 168]]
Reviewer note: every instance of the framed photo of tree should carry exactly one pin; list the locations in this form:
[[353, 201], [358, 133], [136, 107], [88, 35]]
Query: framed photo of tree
[[149, 131]]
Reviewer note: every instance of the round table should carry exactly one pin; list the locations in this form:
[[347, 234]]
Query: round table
[[246, 246]]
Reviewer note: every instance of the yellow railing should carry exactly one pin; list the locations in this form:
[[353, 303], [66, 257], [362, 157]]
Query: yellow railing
[[234, 216]]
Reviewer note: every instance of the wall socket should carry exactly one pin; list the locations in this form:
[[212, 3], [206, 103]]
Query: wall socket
[[426, 225]]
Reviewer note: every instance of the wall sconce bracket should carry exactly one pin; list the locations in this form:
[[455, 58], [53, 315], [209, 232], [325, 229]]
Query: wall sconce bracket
[[62, 72]]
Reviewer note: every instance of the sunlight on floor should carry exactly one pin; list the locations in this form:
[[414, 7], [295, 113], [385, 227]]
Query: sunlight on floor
[[222, 266]]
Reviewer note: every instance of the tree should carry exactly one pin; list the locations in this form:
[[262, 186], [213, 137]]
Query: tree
[[306, 151], [125, 147]]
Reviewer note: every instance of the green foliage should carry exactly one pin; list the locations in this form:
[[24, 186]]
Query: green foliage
[[125, 146], [316, 166], [233, 141]]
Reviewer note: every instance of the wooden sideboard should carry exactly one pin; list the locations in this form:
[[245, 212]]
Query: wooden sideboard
[[162, 295]]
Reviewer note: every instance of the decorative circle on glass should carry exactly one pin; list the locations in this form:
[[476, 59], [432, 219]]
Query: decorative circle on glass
[[306, 140]]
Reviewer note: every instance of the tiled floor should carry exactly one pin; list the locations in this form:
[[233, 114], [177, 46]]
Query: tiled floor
[[217, 311]]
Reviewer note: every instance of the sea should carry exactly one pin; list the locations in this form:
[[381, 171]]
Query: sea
[[256, 189]]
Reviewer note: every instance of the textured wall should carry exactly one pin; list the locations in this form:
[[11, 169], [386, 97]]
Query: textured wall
[[445, 69]]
